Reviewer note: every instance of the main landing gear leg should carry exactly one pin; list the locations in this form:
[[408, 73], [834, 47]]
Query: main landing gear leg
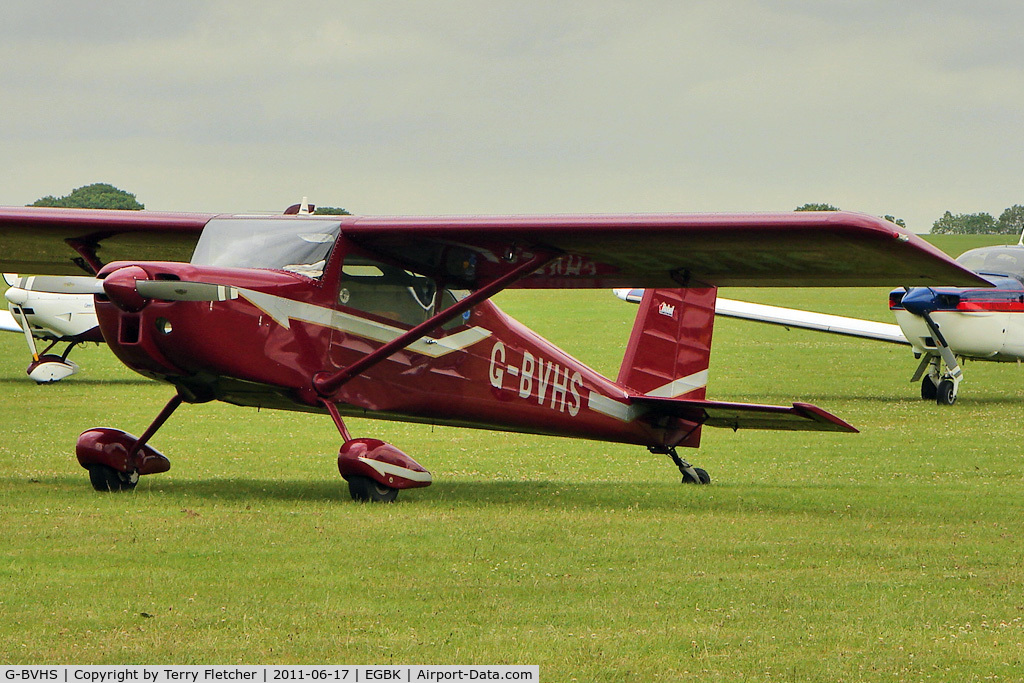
[[116, 459], [946, 383], [375, 470], [691, 474]]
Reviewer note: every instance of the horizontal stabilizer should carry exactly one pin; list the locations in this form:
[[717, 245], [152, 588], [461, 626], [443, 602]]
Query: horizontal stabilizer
[[798, 417]]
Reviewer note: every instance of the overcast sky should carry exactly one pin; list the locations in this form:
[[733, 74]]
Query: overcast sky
[[908, 108]]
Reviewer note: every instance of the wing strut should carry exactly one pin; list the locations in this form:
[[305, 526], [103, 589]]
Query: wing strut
[[325, 384]]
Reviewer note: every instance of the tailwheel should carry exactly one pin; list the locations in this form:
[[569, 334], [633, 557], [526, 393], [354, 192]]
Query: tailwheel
[[946, 393], [106, 479], [691, 474], [696, 475], [364, 489]]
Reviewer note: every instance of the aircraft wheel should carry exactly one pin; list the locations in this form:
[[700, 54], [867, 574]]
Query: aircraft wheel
[[702, 477], [945, 395], [364, 489], [106, 479], [929, 392]]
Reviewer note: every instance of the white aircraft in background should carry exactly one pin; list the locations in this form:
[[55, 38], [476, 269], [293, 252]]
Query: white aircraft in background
[[942, 325], [53, 318]]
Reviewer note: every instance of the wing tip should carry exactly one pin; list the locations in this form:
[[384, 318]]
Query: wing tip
[[813, 412]]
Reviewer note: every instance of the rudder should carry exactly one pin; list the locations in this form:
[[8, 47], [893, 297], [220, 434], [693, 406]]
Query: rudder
[[669, 348]]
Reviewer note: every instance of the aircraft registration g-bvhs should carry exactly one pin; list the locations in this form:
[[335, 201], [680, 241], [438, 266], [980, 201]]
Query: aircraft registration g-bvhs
[[390, 317]]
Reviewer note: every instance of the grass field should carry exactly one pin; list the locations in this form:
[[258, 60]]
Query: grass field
[[891, 555]]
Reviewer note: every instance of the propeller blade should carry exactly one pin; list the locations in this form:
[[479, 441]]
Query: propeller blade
[[178, 290], [28, 333], [56, 284]]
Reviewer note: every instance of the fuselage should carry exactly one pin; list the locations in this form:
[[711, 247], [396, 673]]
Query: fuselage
[[64, 317], [286, 325]]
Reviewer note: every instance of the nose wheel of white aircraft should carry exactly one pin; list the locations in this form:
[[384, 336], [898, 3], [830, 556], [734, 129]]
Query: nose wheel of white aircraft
[[936, 384], [929, 392], [945, 393]]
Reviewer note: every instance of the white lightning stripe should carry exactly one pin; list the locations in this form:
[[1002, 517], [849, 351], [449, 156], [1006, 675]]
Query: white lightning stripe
[[612, 408], [628, 413], [387, 468], [680, 386], [283, 311]]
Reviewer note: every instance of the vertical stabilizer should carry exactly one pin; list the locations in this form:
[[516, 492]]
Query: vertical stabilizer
[[670, 346]]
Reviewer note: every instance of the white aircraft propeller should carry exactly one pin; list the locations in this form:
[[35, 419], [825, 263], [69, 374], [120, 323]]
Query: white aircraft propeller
[[166, 290], [56, 284]]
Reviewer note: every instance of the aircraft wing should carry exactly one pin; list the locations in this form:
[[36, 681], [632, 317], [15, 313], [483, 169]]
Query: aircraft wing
[[55, 241], [798, 417], [791, 317], [640, 250], [768, 249], [8, 323], [807, 320]]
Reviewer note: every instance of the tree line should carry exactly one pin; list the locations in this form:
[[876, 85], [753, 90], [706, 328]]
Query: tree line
[[1010, 221], [105, 196]]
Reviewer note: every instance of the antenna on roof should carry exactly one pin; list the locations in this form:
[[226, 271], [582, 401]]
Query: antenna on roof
[[304, 209]]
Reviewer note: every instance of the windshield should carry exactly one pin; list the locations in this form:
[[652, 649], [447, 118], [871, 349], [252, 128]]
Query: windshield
[[995, 261], [296, 245]]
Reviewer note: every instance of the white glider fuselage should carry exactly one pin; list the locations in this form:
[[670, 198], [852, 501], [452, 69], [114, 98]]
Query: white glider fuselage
[[52, 316]]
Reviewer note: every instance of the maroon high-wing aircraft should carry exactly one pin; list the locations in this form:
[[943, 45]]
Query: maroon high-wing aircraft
[[390, 318]]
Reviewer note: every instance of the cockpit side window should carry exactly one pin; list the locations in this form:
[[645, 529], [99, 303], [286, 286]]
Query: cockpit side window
[[389, 291], [298, 246]]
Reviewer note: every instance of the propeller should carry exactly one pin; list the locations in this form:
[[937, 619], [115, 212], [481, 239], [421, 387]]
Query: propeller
[[128, 287], [56, 284], [178, 290]]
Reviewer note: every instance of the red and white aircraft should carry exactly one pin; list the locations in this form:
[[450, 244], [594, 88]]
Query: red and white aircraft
[[948, 324], [391, 318]]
